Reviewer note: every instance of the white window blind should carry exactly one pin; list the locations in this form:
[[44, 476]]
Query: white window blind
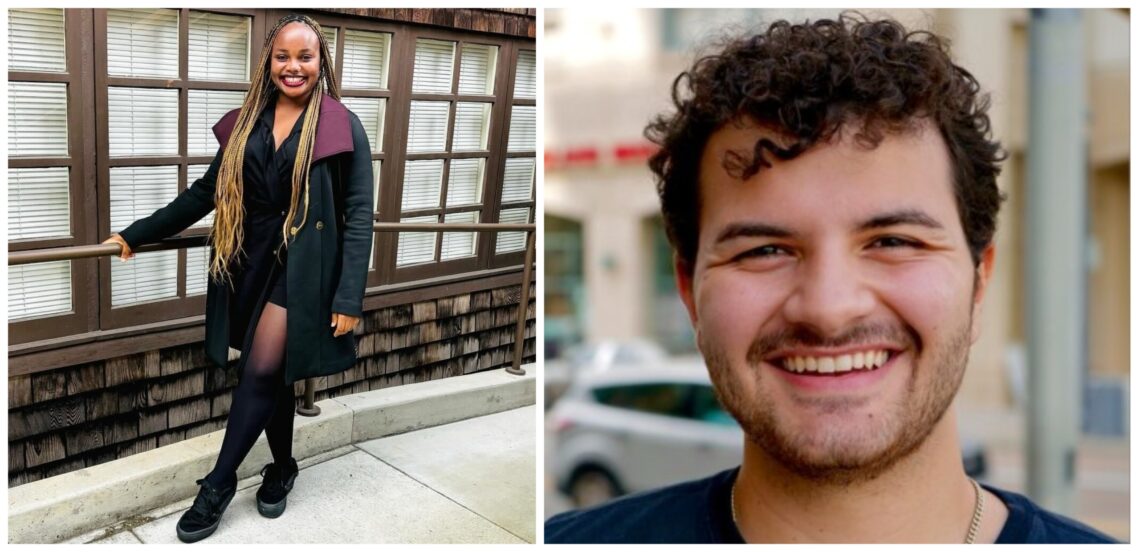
[[39, 289], [427, 127], [521, 137], [422, 183], [36, 40], [525, 75], [38, 203], [376, 166], [197, 268], [142, 43], [518, 178], [458, 244], [147, 277], [193, 173], [203, 109], [219, 47], [470, 133], [416, 247], [330, 39], [366, 59], [136, 192], [465, 182], [512, 241], [371, 113], [37, 119], [477, 69], [142, 121], [433, 66]]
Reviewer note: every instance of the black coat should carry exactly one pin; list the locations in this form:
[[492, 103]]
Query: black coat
[[327, 260]]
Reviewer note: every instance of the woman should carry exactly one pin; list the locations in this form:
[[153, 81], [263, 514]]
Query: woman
[[292, 184]]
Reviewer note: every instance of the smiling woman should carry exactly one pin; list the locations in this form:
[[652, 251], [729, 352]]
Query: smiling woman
[[291, 158]]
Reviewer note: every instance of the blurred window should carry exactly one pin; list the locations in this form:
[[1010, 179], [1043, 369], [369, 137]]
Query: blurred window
[[707, 408], [668, 399]]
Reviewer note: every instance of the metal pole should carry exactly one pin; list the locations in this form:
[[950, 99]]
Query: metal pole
[[308, 408], [524, 301], [1055, 258]]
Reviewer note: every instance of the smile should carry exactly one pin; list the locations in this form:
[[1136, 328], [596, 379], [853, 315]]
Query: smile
[[863, 360], [293, 81]]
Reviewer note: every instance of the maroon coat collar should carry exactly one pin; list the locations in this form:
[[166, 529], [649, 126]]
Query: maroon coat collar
[[334, 129]]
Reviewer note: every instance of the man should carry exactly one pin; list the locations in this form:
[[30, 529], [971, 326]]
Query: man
[[830, 193]]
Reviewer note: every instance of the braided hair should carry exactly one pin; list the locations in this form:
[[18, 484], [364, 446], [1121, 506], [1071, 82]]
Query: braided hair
[[226, 236]]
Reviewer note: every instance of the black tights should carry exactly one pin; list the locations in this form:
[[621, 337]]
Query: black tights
[[261, 401]]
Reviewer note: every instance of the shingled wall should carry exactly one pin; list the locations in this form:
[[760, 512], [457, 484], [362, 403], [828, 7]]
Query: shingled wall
[[82, 415]]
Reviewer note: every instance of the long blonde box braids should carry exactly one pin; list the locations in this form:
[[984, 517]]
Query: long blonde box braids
[[226, 235]]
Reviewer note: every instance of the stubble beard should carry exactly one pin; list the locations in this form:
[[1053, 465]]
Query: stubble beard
[[839, 458]]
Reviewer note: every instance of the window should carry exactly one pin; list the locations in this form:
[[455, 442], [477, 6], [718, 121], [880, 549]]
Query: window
[[160, 110], [364, 90], [516, 202], [46, 171], [667, 399], [448, 131]]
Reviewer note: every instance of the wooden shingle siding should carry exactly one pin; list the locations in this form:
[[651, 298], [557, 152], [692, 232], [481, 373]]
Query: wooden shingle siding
[[518, 22], [83, 415]]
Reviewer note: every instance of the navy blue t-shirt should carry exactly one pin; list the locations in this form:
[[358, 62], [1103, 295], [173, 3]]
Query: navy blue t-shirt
[[698, 512]]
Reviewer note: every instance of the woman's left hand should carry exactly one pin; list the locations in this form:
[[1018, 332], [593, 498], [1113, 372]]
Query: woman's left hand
[[343, 323]]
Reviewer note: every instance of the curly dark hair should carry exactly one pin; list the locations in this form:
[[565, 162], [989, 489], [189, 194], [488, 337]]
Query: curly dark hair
[[808, 81]]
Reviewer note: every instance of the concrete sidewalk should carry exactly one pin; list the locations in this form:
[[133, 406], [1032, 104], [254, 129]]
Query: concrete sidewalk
[[466, 482], [450, 460]]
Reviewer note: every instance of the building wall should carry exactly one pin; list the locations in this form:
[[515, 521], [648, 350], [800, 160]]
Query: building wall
[[605, 99], [86, 414]]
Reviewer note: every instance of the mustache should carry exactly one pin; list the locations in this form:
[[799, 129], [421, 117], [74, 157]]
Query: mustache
[[808, 337]]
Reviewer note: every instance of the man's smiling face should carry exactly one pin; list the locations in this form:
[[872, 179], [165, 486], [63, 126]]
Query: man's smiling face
[[834, 297]]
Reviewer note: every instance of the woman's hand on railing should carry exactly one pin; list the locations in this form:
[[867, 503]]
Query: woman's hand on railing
[[125, 252]]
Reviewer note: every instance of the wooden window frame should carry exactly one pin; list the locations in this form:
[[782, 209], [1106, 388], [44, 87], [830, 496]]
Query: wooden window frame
[[180, 306], [499, 260], [81, 170]]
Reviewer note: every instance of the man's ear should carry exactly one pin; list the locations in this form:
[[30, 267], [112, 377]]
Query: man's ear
[[982, 276], [683, 274]]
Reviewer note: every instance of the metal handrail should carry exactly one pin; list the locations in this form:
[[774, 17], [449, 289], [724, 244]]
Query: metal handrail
[[308, 408]]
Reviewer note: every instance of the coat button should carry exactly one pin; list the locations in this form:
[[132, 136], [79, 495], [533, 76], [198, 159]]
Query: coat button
[[320, 225]]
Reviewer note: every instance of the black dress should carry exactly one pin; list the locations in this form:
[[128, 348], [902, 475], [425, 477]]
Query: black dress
[[267, 179]]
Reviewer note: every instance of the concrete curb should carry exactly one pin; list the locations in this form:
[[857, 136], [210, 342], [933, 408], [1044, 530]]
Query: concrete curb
[[55, 509]]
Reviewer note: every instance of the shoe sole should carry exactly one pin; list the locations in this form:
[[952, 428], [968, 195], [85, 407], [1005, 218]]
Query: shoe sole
[[195, 536]]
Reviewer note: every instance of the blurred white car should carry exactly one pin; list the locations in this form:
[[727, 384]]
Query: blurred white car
[[647, 426], [641, 427], [558, 374]]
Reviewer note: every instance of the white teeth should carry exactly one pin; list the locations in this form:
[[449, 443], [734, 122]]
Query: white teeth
[[843, 363], [863, 360], [826, 365]]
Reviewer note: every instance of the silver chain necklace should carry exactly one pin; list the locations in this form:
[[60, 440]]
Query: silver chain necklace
[[971, 534]]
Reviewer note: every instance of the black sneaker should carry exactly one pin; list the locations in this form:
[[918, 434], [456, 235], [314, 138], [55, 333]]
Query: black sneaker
[[277, 482], [202, 519]]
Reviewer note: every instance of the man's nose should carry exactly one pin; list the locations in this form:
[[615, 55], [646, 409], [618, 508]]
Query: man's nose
[[830, 294]]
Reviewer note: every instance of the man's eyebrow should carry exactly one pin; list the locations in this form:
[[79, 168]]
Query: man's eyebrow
[[752, 230], [905, 216]]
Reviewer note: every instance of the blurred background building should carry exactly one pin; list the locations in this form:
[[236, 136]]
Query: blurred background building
[[608, 265]]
